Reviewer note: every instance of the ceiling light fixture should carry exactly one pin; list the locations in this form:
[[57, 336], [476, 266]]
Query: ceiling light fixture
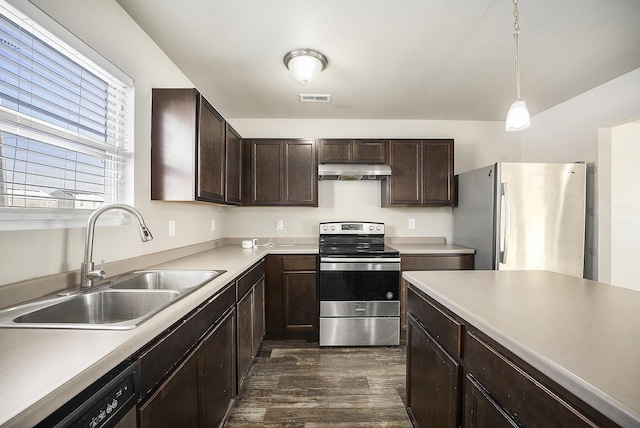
[[305, 64], [518, 116]]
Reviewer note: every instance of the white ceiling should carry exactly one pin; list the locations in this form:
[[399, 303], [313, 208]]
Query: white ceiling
[[393, 59]]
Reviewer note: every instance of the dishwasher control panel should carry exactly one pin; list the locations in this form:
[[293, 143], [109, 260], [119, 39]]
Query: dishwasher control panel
[[103, 403]]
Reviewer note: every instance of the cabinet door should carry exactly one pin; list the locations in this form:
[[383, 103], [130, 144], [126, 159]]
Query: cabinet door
[[437, 167], [175, 403], [245, 336], [334, 151], [300, 173], [369, 151], [211, 154], [217, 360], [433, 380], [233, 167], [404, 186], [173, 144], [266, 172], [300, 301], [258, 315], [480, 409]]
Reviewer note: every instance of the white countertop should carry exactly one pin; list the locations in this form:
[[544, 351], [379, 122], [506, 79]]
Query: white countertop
[[431, 249], [583, 334], [41, 369]]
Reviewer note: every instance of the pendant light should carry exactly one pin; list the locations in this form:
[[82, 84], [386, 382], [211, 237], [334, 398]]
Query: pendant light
[[305, 64], [518, 116]]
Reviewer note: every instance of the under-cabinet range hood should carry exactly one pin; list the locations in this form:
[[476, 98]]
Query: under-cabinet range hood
[[337, 171]]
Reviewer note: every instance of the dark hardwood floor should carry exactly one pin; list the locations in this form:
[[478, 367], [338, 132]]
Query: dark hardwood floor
[[297, 384]]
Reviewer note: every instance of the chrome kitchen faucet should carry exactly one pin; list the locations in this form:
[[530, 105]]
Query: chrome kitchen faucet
[[87, 272]]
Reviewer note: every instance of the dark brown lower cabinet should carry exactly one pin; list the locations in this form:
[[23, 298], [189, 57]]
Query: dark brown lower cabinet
[[201, 391], [175, 403], [291, 297], [251, 322], [245, 336], [217, 369], [433, 380], [481, 410]]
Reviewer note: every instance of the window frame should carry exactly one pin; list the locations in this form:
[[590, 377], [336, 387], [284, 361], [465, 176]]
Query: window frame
[[71, 46]]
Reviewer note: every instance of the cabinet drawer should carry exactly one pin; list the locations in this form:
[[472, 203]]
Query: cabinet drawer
[[439, 262], [524, 398], [299, 263], [447, 330], [162, 356], [247, 280]]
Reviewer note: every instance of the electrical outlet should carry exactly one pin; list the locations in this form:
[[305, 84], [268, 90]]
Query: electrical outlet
[[279, 224], [412, 223], [213, 225], [172, 228]]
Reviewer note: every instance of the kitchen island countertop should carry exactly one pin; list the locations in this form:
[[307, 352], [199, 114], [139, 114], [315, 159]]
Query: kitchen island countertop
[[582, 334]]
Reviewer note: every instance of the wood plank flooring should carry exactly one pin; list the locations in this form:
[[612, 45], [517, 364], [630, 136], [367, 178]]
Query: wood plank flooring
[[299, 385]]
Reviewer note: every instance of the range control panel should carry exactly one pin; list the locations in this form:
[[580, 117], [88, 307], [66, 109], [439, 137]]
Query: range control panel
[[351, 228]]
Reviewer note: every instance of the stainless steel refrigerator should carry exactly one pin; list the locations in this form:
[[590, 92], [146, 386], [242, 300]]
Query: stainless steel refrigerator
[[521, 216]]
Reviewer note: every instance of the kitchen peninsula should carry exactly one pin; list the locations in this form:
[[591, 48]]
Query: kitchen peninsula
[[522, 347], [40, 369]]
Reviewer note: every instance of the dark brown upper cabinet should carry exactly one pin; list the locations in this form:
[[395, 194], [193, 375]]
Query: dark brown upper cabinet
[[352, 151], [233, 167], [421, 173], [189, 158], [280, 172]]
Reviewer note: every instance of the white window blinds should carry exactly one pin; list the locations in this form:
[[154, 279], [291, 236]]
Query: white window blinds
[[64, 128]]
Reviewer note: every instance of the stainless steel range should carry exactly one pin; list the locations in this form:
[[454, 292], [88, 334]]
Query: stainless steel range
[[359, 286]]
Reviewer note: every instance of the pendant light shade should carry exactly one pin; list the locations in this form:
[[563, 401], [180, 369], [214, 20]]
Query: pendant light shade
[[305, 64], [518, 117]]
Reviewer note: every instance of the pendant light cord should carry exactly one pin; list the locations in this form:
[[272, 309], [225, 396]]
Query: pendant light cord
[[516, 32]]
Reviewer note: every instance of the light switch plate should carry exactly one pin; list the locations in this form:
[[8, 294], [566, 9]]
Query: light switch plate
[[412, 223]]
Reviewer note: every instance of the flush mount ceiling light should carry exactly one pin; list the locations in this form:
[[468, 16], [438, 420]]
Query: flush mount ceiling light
[[518, 116], [305, 64]]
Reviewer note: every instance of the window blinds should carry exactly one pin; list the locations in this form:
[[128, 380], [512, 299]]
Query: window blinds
[[64, 134]]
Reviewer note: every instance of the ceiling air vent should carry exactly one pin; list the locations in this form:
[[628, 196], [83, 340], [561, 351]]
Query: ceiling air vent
[[315, 98]]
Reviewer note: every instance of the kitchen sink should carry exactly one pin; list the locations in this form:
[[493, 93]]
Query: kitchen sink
[[118, 304], [179, 280], [100, 307]]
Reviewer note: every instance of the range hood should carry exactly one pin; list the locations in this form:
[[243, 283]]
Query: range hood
[[337, 171]]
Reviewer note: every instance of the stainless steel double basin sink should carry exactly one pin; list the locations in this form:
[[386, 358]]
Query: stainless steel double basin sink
[[118, 304]]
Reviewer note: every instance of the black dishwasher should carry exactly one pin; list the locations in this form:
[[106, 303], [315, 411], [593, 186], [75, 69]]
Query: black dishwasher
[[104, 404]]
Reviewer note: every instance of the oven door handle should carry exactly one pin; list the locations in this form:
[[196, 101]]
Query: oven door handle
[[359, 260], [372, 267]]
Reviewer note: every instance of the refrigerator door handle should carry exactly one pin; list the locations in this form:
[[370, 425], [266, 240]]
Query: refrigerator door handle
[[505, 234]]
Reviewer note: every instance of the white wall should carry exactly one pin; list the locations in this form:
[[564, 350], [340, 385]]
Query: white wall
[[619, 155]]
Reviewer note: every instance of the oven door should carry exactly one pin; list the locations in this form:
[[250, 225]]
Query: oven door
[[359, 279]]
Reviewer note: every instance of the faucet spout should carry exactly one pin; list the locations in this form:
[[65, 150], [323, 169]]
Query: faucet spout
[[88, 274]]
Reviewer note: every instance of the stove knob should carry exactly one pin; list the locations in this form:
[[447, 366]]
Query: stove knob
[[389, 295], [324, 228], [379, 228], [333, 228], [370, 227]]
